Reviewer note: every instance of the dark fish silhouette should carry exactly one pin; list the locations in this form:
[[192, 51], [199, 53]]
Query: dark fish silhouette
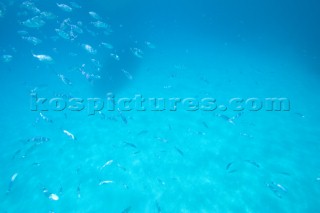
[[179, 151]]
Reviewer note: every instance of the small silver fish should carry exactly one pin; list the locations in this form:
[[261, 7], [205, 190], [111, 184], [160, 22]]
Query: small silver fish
[[43, 58], [105, 182], [69, 134], [35, 22], [65, 7], [7, 58], [13, 178], [94, 15], [33, 40], [89, 48], [137, 52]]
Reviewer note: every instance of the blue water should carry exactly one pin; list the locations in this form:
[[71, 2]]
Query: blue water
[[166, 160]]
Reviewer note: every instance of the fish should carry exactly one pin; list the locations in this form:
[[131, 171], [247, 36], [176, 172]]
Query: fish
[[63, 34], [78, 191], [161, 182], [48, 15], [89, 48], [64, 79], [30, 6], [35, 22], [121, 167], [108, 163], [253, 163], [277, 189], [230, 120], [43, 58], [205, 124], [69, 134], [105, 182], [229, 165], [75, 5], [102, 115], [137, 52], [130, 144], [33, 40], [127, 74], [77, 29], [100, 24], [115, 56], [300, 114], [13, 178], [51, 196], [39, 139], [45, 118], [238, 115], [124, 119], [179, 151], [106, 45], [16, 154], [7, 58], [64, 7], [94, 15]]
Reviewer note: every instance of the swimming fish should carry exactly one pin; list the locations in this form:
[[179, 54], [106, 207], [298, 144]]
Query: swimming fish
[[127, 74], [13, 178], [33, 40], [137, 52], [179, 151], [45, 118], [63, 34], [115, 56], [75, 5], [69, 134], [130, 144], [100, 24], [106, 45], [35, 22], [105, 182], [94, 15], [64, 79], [7, 58], [230, 120], [30, 6], [229, 165], [78, 191], [253, 163], [108, 163], [43, 58], [51, 196], [124, 119], [38, 139], [48, 15], [89, 48], [65, 7], [277, 189]]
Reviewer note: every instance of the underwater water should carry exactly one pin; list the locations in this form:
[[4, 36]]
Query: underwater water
[[86, 150]]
